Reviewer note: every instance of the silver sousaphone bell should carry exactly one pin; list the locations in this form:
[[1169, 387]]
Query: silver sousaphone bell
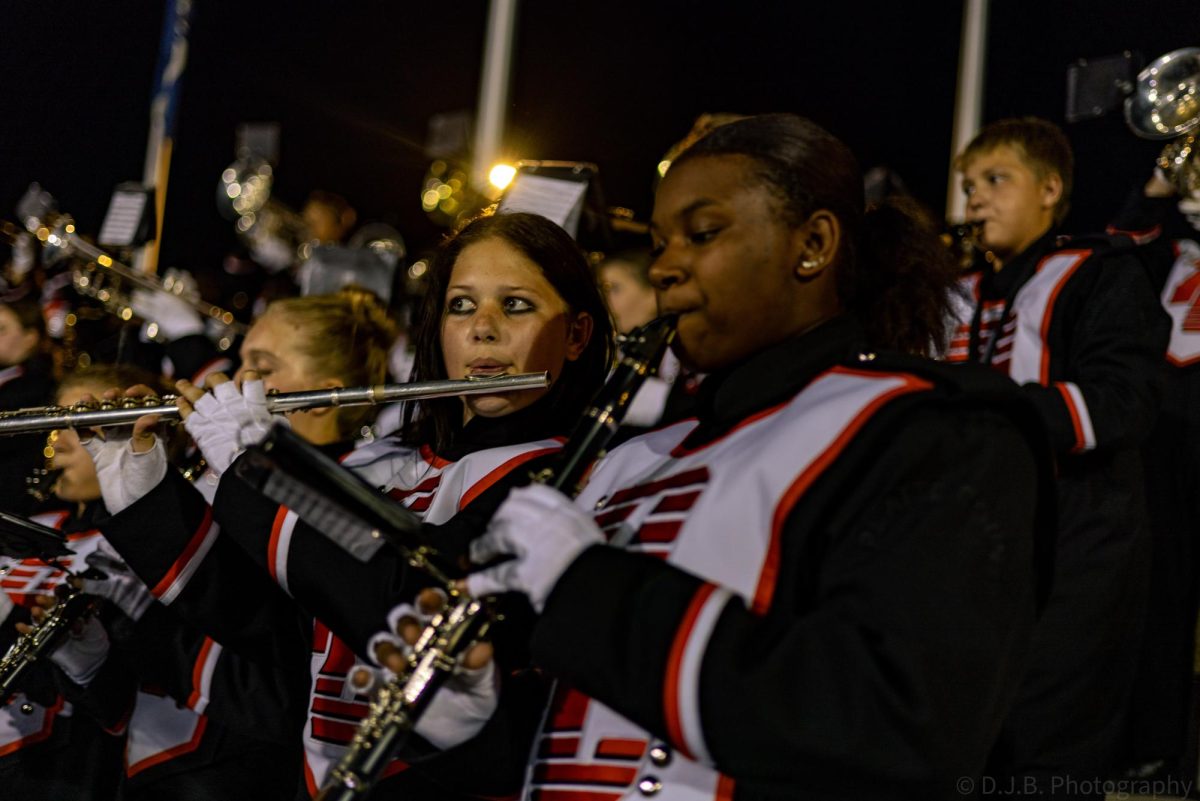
[[1165, 104]]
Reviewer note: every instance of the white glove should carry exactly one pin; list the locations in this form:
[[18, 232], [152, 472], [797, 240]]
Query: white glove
[[172, 314], [544, 531], [125, 476], [461, 708], [81, 655], [6, 606], [226, 421], [121, 585]]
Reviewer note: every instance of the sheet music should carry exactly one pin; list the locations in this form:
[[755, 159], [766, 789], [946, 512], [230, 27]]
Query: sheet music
[[554, 199]]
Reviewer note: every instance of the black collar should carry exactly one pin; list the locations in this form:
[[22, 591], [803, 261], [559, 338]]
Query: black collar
[[1016, 271], [532, 423]]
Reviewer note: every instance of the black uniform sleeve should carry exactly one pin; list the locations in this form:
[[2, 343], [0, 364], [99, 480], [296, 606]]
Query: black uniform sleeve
[[1111, 383], [353, 598], [1142, 220], [172, 540], [895, 670], [260, 699]]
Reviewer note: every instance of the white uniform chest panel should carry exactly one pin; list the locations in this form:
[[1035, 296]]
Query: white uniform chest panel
[[1032, 309], [1181, 299], [715, 512]]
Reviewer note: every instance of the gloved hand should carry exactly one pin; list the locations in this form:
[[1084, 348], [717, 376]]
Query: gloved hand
[[82, 652], [6, 606], [119, 585], [227, 420], [544, 531], [172, 314], [125, 476], [460, 708]]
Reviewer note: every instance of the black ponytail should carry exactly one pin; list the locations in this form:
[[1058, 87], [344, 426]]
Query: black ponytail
[[901, 284], [892, 272]]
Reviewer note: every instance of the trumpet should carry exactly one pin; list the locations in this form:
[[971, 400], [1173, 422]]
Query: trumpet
[[124, 411], [398, 703], [103, 277]]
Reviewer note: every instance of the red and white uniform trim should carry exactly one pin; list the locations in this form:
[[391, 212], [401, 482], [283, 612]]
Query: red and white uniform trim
[[1081, 420], [681, 690], [161, 729], [180, 573], [1181, 299], [1033, 309], [433, 488], [587, 752], [280, 545], [21, 580]]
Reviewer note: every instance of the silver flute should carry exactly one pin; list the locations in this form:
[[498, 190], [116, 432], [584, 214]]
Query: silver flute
[[124, 411]]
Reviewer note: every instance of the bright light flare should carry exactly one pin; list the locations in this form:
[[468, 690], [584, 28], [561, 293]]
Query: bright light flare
[[502, 175]]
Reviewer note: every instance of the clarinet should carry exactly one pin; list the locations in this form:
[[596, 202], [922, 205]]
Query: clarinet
[[72, 605], [399, 702]]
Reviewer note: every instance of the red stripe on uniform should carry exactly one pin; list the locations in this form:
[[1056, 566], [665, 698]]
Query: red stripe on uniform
[[1083, 255], [346, 709], [697, 475], [680, 451], [333, 731], [1076, 423], [770, 569], [273, 542], [659, 532], [558, 747], [724, 788], [500, 472], [555, 773], [677, 503], [193, 545], [573, 795], [614, 516], [615, 748], [37, 736], [198, 672], [171, 753], [674, 664], [567, 711], [432, 458]]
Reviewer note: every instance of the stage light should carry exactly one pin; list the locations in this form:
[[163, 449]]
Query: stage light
[[501, 175]]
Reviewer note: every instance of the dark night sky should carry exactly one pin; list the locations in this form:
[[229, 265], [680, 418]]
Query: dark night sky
[[354, 84]]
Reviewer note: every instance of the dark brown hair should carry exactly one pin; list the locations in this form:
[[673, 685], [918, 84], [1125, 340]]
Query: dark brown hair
[[564, 266]]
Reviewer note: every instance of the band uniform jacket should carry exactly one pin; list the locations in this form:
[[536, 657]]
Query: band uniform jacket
[[282, 569], [822, 595], [1159, 717], [1077, 325], [49, 747]]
